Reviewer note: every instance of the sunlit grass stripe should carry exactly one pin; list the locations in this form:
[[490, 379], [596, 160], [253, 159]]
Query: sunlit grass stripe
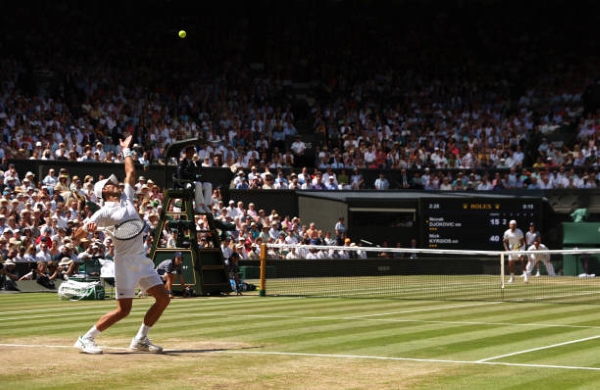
[[452, 341], [267, 306], [49, 314], [507, 339], [585, 352]]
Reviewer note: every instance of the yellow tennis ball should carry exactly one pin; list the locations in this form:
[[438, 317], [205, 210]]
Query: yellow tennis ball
[[182, 34]]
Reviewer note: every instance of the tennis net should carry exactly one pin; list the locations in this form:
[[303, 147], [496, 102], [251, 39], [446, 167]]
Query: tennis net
[[426, 274]]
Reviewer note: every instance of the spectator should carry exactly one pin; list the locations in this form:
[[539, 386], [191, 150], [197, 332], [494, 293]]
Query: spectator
[[241, 248], [62, 270], [43, 254], [226, 248], [91, 262], [317, 182], [340, 228], [382, 183], [413, 245], [281, 182], [298, 149], [39, 271], [330, 184]]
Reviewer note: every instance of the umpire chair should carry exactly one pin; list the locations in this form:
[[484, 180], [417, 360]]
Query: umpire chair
[[204, 267]]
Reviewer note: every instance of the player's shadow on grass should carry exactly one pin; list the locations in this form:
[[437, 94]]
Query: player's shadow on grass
[[176, 352], [204, 350]]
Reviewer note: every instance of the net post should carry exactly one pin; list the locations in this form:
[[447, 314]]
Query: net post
[[263, 270], [502, 271]]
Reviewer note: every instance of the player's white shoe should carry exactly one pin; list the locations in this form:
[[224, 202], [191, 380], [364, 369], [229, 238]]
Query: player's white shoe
[[144, 345], [86, 345], [537, 275], [525, 278], [511, 280]]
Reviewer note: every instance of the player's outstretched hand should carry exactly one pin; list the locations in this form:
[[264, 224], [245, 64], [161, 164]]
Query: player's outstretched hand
[[125, 142]]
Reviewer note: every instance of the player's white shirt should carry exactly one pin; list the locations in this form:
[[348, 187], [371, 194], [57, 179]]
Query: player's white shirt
[[515, 238], [112, 213]]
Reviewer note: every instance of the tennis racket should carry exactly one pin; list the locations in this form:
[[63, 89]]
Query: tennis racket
[[126, 230]]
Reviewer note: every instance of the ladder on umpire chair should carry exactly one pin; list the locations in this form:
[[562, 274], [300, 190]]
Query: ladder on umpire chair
[[204, 266]]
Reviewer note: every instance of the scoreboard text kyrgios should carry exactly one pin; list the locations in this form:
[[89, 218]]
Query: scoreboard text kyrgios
[[456, 223]]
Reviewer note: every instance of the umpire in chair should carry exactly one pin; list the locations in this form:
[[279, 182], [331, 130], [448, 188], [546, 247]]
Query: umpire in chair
[[188, 177]]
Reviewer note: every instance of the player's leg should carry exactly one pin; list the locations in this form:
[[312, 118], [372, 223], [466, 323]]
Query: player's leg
[[112, 317], [87, 343], [511, 269], [161, 301], [155, 288], [125, 285], [523, 267]]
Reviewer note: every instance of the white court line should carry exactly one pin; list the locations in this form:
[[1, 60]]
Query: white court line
[[477, 362], [57, 346], [538, 349], [340, 356]]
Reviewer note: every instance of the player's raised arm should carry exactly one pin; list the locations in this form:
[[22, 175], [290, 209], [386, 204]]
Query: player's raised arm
[[128, 160]]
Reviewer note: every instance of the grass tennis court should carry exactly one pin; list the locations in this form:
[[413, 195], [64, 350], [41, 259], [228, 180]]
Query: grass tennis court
[[253, 342]]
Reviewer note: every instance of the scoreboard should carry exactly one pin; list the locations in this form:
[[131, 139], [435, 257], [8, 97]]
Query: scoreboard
[[474, 223]]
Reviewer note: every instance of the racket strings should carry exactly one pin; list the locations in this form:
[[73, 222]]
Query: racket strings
[[129, 229]]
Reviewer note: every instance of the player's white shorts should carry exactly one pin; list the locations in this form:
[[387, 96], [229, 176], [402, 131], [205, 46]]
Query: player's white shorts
[[132, 272], [513, 257]]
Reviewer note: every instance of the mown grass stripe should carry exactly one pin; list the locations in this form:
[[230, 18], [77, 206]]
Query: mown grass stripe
[[540, 348]]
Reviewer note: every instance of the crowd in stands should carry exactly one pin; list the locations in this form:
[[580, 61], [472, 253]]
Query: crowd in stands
[[435, 102], [299, 240], [37, 222], [447, 101]]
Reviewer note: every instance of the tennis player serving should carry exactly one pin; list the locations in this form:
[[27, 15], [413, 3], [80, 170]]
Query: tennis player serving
[[132, 266], [514, 240]]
